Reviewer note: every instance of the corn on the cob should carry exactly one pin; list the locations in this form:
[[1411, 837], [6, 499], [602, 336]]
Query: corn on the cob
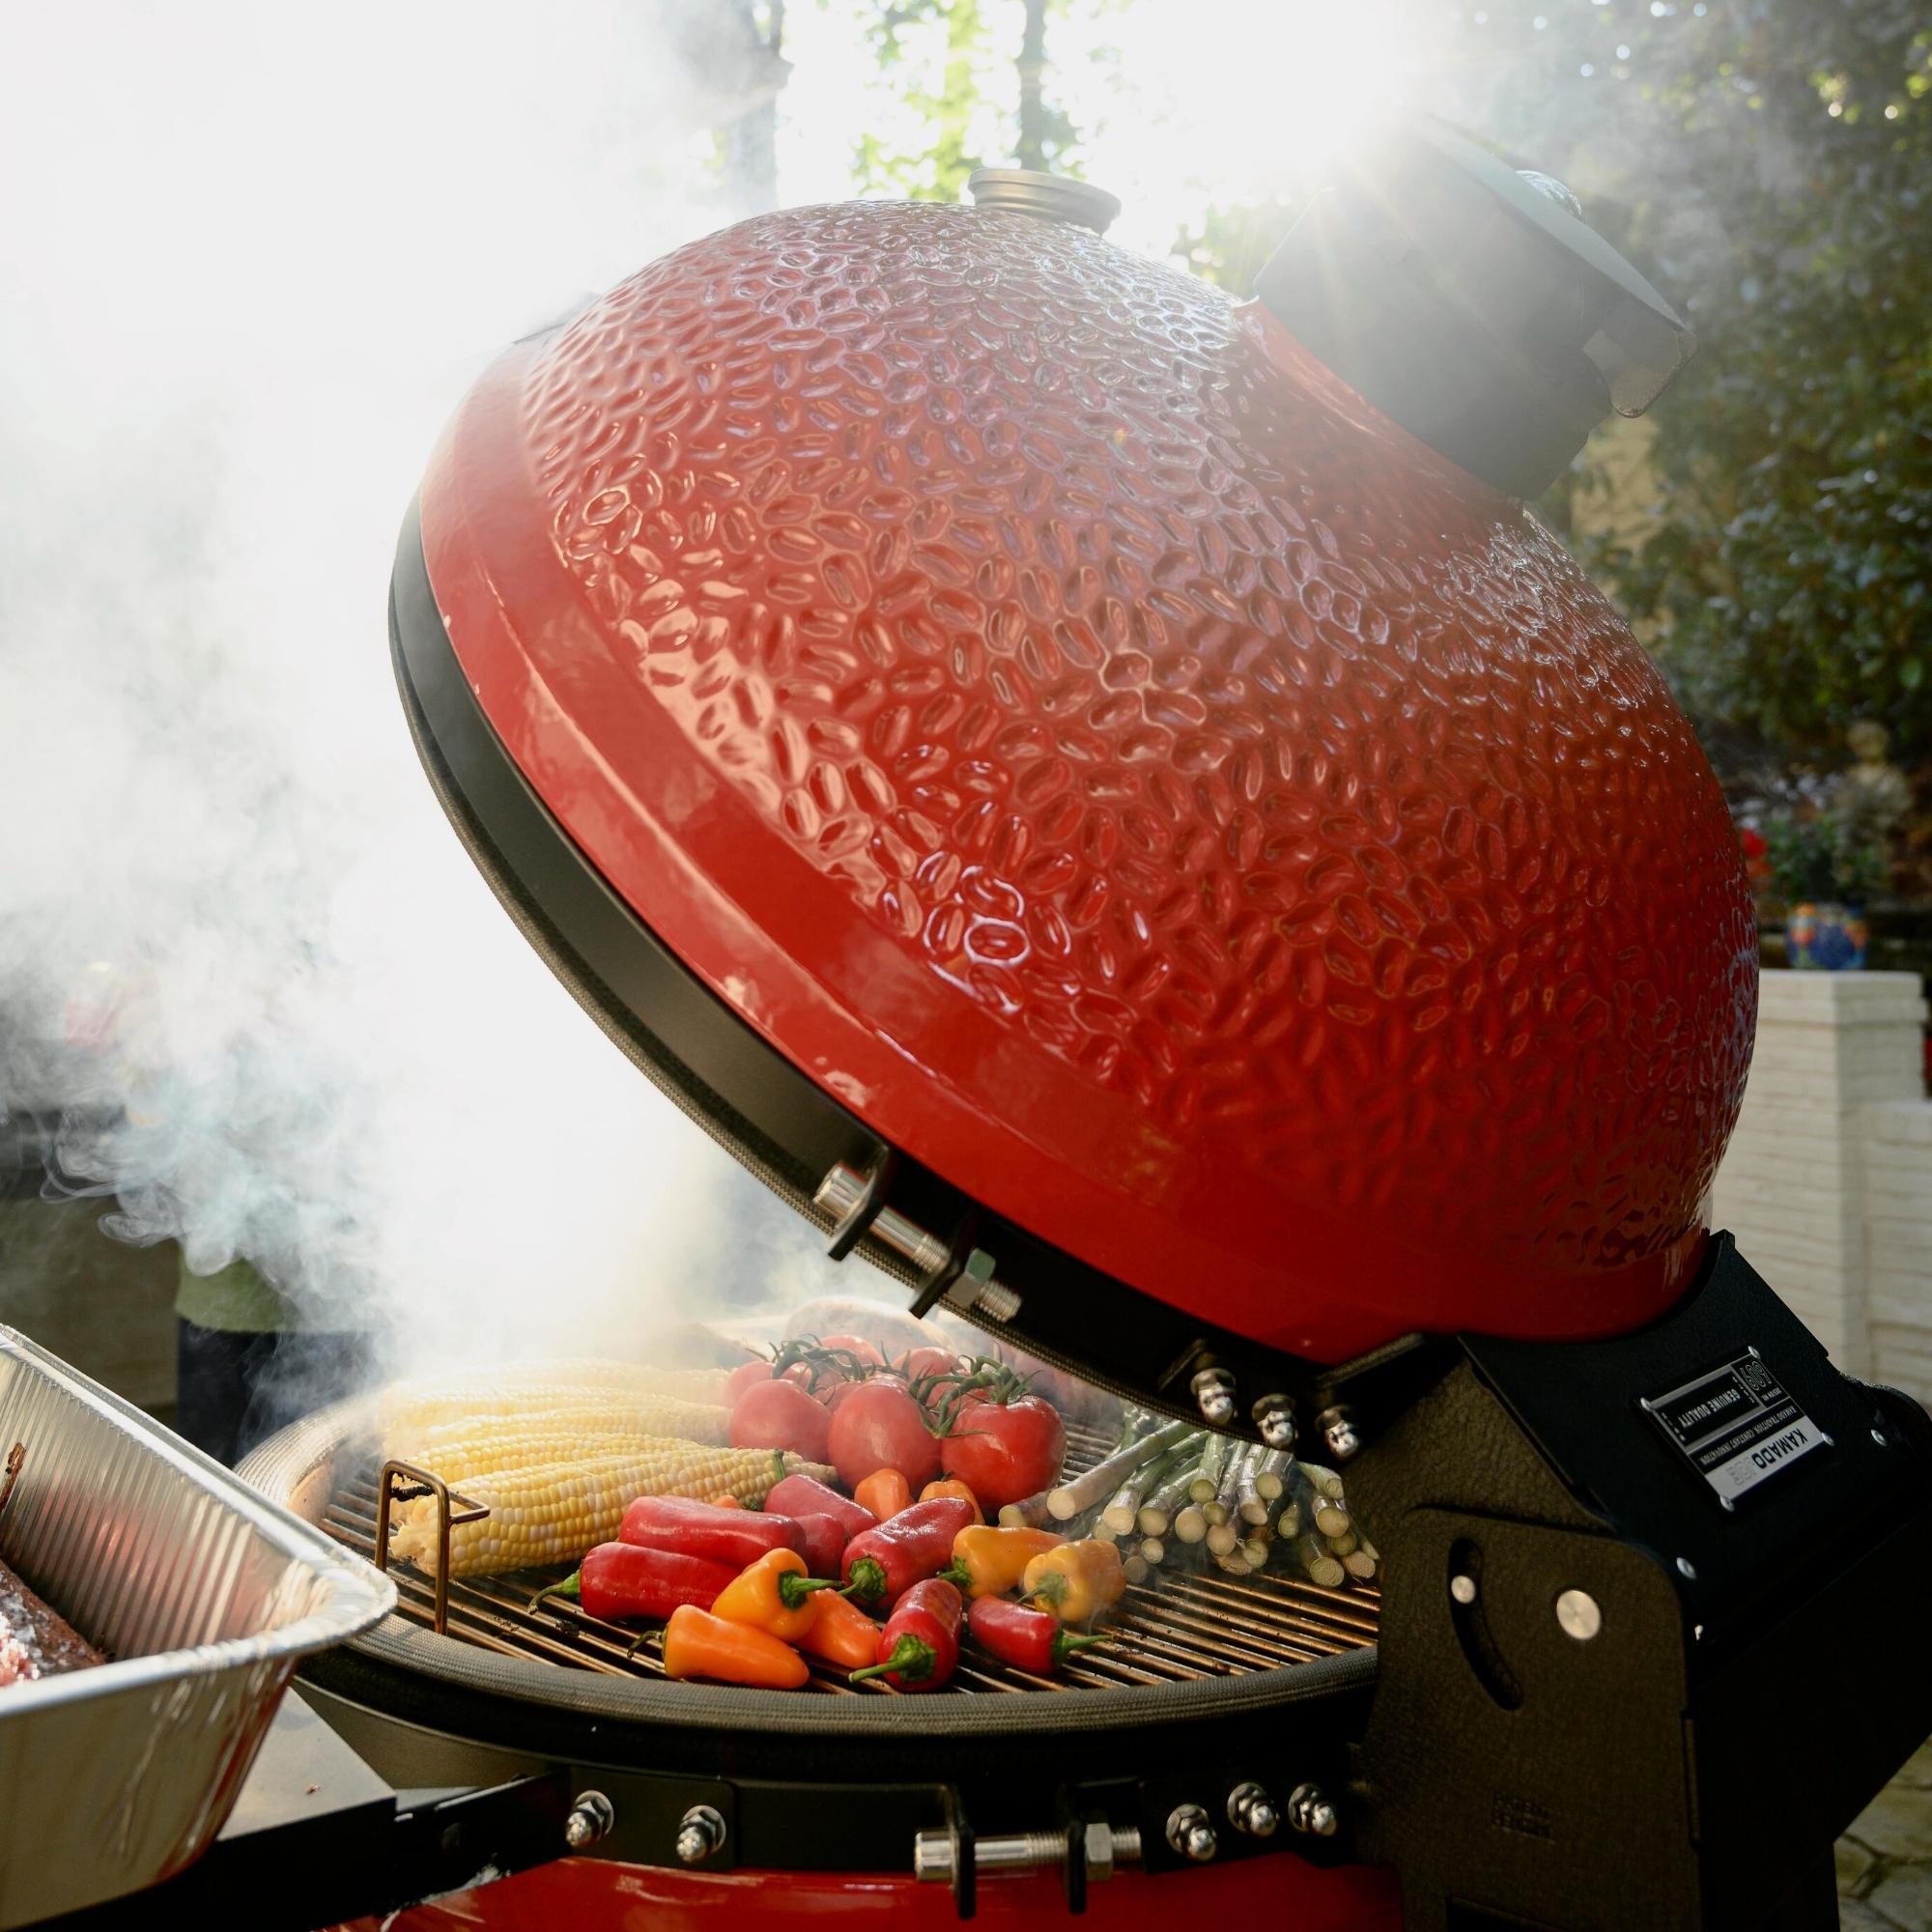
[[496, 1451], [553, 1512], [410, 1421]]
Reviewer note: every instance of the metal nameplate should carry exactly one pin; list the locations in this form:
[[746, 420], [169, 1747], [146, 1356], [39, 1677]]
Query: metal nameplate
[[1735, 1425]]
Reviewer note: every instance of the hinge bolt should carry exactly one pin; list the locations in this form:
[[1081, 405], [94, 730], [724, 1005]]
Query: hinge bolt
[[1251, 1809], [1338, 1430], [1214, 1397], [699, 1833], [588, 1820], [1191, 1834], [1310, 1813], [1274, 1417]]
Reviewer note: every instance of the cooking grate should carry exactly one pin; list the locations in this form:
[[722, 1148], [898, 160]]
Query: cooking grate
[[1181, 1625]]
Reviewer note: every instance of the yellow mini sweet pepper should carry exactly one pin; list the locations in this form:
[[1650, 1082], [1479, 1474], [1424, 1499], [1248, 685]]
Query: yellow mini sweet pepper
[[988, 1562], [1076, 1581]]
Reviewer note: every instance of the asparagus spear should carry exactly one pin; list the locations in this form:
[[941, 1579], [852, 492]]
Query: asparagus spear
[[1327, 1482], [1189, 1524], [1032, 1514], [1250, 1505], [1122, 1513], [1134, 1567], [1256, 1551], [1170, 1490], [1299, 1497], [1222, 1511], [1272, 1475], [1206, 1482], [1153, 1549], [1311, 1556], [1222, 1538], [1087, 1492], [1360, 1564], [1331, 1518]]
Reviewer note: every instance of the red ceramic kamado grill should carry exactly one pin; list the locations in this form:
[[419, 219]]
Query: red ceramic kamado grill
[[1104, 799]]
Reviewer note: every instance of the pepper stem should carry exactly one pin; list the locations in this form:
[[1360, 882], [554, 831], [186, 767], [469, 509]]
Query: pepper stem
[[957, 1574], [1051, 1589], [912, 1659], [867, 1580], [571, 1587], [1065, 1642], [793, 1589]]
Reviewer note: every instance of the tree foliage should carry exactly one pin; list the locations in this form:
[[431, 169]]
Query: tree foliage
[[956, 63], [1791, 207], [937, 170]]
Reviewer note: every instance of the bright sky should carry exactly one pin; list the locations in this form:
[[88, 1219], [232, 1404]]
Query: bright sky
[[1209, 100]]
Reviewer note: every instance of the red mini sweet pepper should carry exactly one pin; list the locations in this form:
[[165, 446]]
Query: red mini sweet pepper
[[801, 1495], [821, 1541], [1027, 1639], [882, 1564], [734, 1536], [621, 1579], [919, 1646]]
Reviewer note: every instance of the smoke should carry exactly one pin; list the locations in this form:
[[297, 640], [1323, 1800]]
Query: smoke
[[255, 256]]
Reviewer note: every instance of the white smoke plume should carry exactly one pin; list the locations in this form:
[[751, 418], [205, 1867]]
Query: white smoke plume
[[252, 257]]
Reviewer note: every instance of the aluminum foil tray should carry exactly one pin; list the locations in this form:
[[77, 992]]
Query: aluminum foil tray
[[204, 1594]]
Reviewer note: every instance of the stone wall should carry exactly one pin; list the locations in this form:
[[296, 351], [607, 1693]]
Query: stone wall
[[1897, 1156], [1828, 1182]]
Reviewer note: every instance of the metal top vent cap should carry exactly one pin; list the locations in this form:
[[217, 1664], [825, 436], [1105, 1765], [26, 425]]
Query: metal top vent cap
[[1051, 197], [1471, 304]]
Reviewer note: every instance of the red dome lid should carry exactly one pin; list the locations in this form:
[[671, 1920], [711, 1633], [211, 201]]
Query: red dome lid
[[1127, 772]]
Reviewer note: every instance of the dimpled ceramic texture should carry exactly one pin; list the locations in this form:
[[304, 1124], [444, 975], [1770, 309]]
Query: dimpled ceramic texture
[[1128, 771]]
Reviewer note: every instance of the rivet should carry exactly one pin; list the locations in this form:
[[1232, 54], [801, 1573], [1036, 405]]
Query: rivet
[[1580, 1614]]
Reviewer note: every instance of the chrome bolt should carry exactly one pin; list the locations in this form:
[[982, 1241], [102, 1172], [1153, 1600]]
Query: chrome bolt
[[1274, 1417], [932, 1858], [1338, 1430], [1105, 1847], [1879, 1436], [699, 1833], [1462, 1589], [1251, 1809], [1310, 1813], [976, 1290], [1578, 1612], [588, 1820], [1097, 1848], [1215, 1396], [1687, 1569], [1191, 1834]]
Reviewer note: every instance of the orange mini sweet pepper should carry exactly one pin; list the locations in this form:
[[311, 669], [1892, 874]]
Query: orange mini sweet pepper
[[842, 1633], [951, 1486], [988, 1562], [774, 1594], [697, 1644], [885, 1492], [1076, 1581]]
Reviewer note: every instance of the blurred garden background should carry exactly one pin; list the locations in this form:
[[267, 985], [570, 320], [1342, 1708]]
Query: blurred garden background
[[1768, 163]]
